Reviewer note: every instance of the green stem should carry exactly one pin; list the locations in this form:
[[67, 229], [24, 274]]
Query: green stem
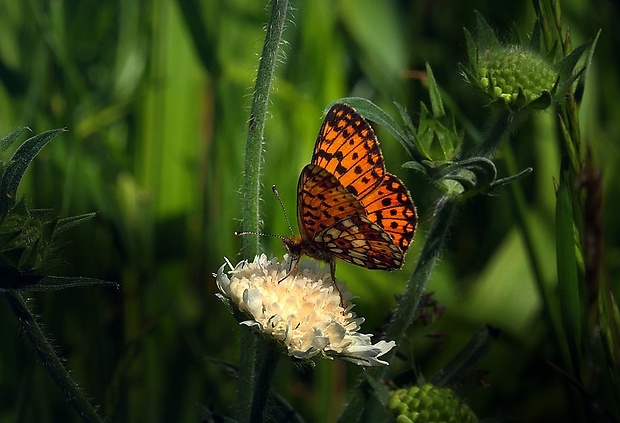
[[250, 370], [256, 126], [444, 210], [50, 360], [502, 123], [267, 367]]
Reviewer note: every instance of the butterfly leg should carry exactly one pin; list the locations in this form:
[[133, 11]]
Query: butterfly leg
[[294, 265], [332, 270]]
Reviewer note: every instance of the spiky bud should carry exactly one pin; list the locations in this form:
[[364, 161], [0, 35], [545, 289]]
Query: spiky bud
[[515, 75], [428, 404]]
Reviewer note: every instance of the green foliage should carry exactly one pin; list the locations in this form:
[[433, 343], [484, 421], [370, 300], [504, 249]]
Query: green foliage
[[28, 246], [29, 241]]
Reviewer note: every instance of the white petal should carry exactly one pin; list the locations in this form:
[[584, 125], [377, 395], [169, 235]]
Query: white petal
[[303, 312]]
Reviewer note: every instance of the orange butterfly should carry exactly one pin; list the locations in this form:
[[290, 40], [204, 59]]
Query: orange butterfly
[[348, 205]]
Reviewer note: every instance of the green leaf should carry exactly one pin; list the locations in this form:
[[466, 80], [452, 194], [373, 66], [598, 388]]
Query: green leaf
[[409, 126], [485, 36], [18, 165], [56, 283], [207, 415], [509, 179], [8, 140], [280, 410], [434, 93], [566, 68], [466, 359], [534, 43], [542, 102], [609, 320], [380, 390], [69, 222], [434, 140], [472, 52], [568, 281], [581, 83], [416, 166]]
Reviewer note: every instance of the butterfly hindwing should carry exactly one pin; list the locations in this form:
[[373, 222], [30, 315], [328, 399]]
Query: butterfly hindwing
[[359, 241], [390, 207]]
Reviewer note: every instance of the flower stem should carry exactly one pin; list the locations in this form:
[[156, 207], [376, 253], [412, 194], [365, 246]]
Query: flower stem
[[267, 367], [256, 126], [50, 360], [250, 402]]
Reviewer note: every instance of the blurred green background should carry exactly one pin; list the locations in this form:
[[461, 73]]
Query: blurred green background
[[156, 97]]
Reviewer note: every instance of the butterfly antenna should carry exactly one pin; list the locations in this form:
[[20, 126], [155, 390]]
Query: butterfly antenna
[[257, 233], [277, 194]]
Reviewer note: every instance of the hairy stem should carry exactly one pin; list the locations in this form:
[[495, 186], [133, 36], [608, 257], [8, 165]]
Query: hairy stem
[[72, 392], [251, 372]]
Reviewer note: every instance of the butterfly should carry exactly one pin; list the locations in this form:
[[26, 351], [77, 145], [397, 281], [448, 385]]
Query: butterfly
[[348, 206]]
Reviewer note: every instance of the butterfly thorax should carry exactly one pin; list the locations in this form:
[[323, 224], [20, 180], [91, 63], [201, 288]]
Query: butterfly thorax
[[296, 245]]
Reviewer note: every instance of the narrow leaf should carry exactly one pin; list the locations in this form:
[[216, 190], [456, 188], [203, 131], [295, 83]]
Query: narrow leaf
[[581, 83], [418, 167], [486, 38], [472, 50], [280, 410], [380, 390], [534, 43], [69, 222], [568, 283], [8, 140], [17, 167], [55, 283], [207, 415], [434, 93], [567, 65], [467, 358], [609, 320]]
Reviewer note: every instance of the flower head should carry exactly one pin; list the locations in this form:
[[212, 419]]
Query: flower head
[[302, 312], [427, 403], [518, 75], [515, 75]]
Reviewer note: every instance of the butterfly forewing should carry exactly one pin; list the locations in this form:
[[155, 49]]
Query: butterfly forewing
[[348, 149], [322, 201]]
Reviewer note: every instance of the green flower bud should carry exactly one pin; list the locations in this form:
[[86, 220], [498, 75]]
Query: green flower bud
[[514, 75], [428, 404]]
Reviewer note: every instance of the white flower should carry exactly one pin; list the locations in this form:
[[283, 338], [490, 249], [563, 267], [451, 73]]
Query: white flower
[[302, 312]]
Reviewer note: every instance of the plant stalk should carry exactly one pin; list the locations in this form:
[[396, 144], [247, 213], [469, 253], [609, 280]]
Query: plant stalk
[[50, 360], [250, 402]]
